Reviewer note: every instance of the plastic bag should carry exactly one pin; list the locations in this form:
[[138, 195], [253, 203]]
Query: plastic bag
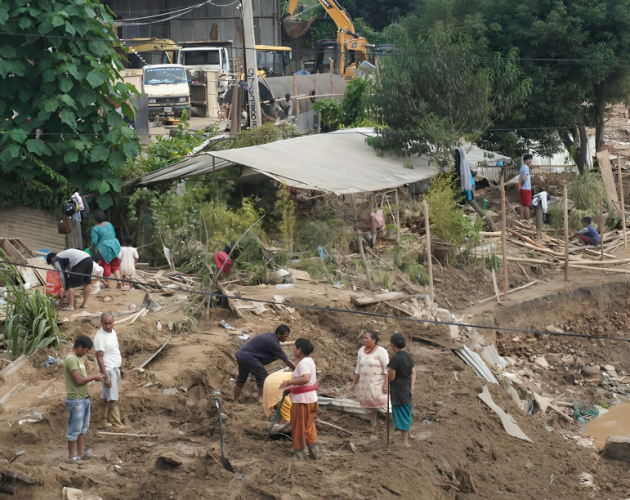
[[54, 286]]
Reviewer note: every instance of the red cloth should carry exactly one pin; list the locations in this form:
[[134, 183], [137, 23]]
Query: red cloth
[[526, 197], [220, 258], [301, 389], [111, 268]]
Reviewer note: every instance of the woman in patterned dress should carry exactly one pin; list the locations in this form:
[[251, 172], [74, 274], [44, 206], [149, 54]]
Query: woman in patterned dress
[[371, 374]]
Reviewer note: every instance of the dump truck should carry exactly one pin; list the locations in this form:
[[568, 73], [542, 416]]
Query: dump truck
[[167, 87]]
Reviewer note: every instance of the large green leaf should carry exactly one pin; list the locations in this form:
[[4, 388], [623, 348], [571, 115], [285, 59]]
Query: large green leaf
[[71, 156], [10, 151], [105, 201], [96, 79], [18, 135], [35, 146], [65, 84]]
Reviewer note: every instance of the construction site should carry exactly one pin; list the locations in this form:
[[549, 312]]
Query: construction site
[[275, 191]]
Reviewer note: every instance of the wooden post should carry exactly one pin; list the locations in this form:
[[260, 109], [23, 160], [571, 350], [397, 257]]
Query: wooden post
[[601, 214], [503, 239], [214, 172], [332, 69], [397, 212], [364, 260], [621, 202], [565, 202], [315, 89], [297, 103], [428, 231]]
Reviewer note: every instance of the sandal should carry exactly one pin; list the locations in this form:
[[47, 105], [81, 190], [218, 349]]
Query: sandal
[[73, 460], [83, 307], [87, 455], [66, 308]]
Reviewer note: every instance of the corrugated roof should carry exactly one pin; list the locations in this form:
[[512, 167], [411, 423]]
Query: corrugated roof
[[36, 228], [339, 162]]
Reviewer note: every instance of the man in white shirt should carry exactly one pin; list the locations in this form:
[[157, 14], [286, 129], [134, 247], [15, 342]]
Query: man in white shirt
[[110, 365]]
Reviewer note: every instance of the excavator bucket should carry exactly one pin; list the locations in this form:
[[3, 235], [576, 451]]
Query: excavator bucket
[[295, 29]]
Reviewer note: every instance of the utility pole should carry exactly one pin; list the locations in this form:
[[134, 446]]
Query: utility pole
[[251, 67]]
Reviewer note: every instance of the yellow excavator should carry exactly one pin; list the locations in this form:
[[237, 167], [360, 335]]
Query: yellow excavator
[[345, 53]]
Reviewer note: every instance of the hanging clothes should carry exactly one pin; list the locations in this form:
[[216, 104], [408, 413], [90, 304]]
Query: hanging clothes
[[220, 258], [79, 201], [468, 183], [542, 198]]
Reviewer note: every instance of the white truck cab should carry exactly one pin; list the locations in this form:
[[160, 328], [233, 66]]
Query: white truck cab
[[206, 56], [166, 85]]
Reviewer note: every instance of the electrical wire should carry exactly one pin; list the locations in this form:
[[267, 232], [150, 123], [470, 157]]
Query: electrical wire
[[392, 54], [329, 309], [165, 13]]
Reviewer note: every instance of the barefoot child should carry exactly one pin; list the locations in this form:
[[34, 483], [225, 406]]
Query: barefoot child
[[303, 388], [128, 259], [78, 399], [402, 378]]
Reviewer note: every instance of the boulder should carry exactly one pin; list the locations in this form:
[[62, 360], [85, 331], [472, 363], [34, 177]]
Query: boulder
[[609, 368], [617, 448], [443, 315], [541, 361], [591, 371], [554, 329]]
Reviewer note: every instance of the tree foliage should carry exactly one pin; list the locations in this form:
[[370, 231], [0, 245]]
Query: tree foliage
[[435, 91], [59, 90], [590, 37]]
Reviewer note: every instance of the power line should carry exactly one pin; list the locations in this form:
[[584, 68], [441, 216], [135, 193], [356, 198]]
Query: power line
[[393, 54], [330, 309]]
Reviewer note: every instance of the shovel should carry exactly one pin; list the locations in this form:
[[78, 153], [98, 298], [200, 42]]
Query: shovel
[[226, 463], [276, 417]]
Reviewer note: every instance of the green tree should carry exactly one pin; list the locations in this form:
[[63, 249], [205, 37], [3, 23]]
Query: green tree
[[435, 91], [379, 14], [59, 90], [589, 38]]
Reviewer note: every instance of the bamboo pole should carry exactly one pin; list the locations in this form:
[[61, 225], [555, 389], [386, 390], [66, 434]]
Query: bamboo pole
[[504, 239], [332, 69], [428, 232], [565, 202], [297, 104], [601, 214], [623, 208]]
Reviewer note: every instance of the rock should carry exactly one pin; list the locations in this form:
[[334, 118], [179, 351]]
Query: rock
[[594, 456], [443, 315], [554, 329], [454, 330], [373, 437], [591, 371], [74, 494], [609, 368], [617, 448], [171, 391], [529, 464], [107, 299], [541, 361], [172, 458]]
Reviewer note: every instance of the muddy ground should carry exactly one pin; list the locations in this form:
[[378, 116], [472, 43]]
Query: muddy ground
[[455, 431]]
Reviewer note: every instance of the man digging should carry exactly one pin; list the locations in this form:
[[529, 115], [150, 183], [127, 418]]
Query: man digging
[[109, 364], [258, 352]]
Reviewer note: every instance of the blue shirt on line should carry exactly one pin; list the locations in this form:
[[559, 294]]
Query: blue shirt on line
[[264, 348], [525, 183]]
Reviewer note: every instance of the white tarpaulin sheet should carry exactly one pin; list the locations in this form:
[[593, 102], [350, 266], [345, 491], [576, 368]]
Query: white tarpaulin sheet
[[339, 162]]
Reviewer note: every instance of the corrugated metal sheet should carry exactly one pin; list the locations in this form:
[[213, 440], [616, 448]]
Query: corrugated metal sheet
[[36, 228], [341, 162], [478, 365]]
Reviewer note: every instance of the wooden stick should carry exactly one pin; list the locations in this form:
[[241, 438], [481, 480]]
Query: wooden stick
[[496, 288], [541, 250], [319, 421], [428, 233], [532, 261], [623, 208], [510, 291], [565, 203], [150, 358], [605, 269], [504, 239], [525, 238], [137, 315], [128, 435], [601, 212]]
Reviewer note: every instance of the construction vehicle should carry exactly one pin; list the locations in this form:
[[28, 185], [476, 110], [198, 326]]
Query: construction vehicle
[[167, 87], [347, 52], [273, 61], [143, 51]]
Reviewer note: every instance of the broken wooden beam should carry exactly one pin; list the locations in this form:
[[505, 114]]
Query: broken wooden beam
[[367, 301], [150, 358], [20, 476]]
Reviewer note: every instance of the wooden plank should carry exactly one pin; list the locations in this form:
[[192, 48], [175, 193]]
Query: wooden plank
[[40, 262], [300, 275], [231, 302], [23, 248], [609, 181], [20, 476], [378, 298], [510, 291]]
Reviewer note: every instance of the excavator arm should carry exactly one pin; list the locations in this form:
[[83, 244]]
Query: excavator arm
[[334, 10]]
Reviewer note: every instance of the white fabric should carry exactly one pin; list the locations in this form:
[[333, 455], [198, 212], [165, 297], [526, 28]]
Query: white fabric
[[372, 369], [127, 260], [307, 365], [542, 199], [108, 343], [464, 170]]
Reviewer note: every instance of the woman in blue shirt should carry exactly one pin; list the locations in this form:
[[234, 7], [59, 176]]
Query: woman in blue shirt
[[105, 242]]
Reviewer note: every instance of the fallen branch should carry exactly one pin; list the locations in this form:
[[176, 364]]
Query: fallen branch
[[128, 435], [318, 421], [510, 291]]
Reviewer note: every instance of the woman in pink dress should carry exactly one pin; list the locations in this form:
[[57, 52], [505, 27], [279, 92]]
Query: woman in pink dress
[[371, 374]]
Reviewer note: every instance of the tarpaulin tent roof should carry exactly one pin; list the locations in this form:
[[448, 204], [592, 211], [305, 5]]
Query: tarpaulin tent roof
[[340, 162]]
